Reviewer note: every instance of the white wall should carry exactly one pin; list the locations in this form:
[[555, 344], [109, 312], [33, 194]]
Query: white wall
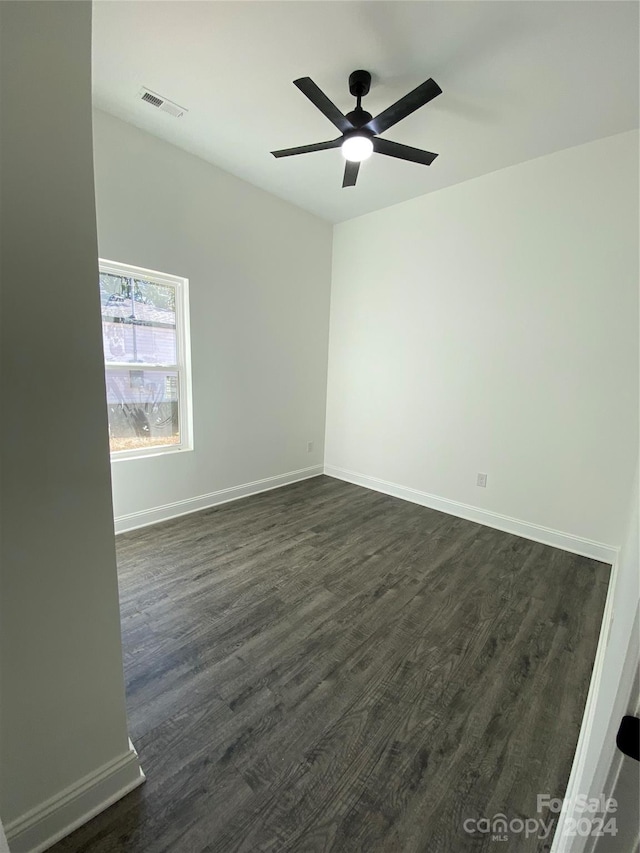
[[63, 710], [493, 327], [259, 272]]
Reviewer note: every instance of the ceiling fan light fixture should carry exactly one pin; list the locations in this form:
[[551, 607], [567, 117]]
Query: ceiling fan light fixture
[[357, 148], [360, 132]]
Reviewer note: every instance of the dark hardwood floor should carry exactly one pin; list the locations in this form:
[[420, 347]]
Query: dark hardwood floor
[[325, 668]]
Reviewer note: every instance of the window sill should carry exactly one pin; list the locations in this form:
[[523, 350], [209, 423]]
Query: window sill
[[130, 455]]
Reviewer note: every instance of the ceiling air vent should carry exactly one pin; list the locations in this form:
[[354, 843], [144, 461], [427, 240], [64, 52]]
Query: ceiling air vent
[[161, 103]]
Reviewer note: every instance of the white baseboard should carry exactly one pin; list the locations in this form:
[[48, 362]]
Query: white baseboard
[[545, 535], [43, 826], [133, 520]]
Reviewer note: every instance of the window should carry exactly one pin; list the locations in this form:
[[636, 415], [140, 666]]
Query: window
[[145, 336]]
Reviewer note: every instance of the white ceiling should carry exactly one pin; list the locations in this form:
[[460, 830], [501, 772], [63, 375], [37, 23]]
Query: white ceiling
[[520, 79]]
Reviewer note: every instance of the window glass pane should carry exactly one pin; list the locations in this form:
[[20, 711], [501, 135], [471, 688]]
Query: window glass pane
[[143, 408], [138, 320]]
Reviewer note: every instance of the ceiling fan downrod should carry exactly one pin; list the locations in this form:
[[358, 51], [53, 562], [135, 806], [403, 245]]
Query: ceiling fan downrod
[[359, 85]]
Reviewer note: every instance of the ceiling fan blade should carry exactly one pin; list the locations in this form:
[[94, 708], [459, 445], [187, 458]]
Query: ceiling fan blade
[[350, 174], [320, 100], [403, 152], [420, 96], [307, 149]]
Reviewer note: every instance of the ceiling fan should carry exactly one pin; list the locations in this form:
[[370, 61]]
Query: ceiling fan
[[360, 129]]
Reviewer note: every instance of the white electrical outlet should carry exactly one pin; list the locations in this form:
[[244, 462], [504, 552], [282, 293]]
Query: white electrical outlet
[[482, 480], [309, 447]]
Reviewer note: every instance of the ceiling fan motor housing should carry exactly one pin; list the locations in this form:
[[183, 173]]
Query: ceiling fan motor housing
[[358, 118], [359, 83]]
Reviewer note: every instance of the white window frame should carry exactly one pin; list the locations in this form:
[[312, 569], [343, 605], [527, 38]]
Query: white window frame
[[183, 355]]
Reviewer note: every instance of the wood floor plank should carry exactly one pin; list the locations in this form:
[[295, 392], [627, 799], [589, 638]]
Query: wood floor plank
[[326, 668]]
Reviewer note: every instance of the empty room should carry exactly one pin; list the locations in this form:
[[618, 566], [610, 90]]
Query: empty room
[[320, 369]]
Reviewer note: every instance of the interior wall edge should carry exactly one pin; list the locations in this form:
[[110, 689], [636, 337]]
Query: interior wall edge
[[64, 716]]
